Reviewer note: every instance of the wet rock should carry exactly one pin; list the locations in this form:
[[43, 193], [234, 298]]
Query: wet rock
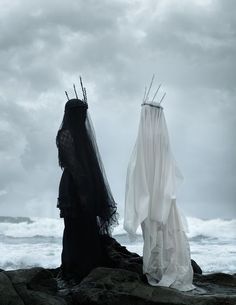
[[109, 286], [35, 286], [8, 294], [196, 268]]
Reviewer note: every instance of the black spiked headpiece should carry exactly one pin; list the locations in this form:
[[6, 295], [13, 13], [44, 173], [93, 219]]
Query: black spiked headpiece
[[76, 102]]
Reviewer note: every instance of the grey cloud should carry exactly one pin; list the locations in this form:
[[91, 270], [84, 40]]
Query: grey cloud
[[197, 43], [116, 46]]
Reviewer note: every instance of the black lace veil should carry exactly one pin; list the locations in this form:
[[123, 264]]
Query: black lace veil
[[78, 153]]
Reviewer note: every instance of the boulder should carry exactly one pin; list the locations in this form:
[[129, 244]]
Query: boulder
[[35, 286], [8, 294], [109, 286]]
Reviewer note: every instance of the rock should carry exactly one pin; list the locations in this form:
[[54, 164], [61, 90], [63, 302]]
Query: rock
[[35, 286], [220, 279], [107, 286], [196, 268], [8, 294], [119, 257]]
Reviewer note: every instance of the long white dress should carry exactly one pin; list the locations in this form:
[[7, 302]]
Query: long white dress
[[151, 184]]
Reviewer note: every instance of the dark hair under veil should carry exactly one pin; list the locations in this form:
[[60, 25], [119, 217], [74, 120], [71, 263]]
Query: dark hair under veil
[[78, 153]]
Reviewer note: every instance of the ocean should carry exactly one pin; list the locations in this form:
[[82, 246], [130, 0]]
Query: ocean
[[26, 242]]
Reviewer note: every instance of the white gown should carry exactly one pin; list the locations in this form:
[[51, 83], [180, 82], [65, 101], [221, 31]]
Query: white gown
[[151, 185]]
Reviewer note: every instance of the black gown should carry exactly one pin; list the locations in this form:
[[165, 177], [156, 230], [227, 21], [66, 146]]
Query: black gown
[[85, 200]]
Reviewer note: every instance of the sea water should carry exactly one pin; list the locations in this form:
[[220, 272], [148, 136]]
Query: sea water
[[27, 242]]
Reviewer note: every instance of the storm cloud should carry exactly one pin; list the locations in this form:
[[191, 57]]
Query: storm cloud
[[116, 46]]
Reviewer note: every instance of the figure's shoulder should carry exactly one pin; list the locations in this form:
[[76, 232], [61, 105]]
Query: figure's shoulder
[[65, 138], [65, 133]]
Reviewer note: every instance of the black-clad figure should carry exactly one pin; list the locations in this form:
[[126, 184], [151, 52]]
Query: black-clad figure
[[85, 200]]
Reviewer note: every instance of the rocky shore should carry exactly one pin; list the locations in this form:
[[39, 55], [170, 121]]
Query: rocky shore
[[120, 283]]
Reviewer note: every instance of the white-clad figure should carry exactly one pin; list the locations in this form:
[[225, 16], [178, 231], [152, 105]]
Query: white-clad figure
[[151, 184]]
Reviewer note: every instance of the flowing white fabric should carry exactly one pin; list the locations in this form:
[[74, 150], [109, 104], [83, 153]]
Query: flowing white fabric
[[151, 185]]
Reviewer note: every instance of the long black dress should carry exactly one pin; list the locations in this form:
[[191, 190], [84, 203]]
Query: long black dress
[[85, 200]]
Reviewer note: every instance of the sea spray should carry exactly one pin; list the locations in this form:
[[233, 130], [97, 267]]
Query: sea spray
[[27, 242]]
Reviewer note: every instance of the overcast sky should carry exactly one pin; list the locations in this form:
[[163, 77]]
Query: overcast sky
[[116, 46]]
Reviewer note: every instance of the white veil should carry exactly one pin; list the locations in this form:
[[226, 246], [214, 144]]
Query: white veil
[[152, 175]]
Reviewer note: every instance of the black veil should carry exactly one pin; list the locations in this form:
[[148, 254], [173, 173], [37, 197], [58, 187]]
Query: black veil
[[88, 189]]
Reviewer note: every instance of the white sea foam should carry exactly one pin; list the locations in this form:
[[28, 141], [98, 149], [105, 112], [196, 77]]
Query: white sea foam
[[26, 255], [37, 242], [38, 227], [214, 257], [212, 228]]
